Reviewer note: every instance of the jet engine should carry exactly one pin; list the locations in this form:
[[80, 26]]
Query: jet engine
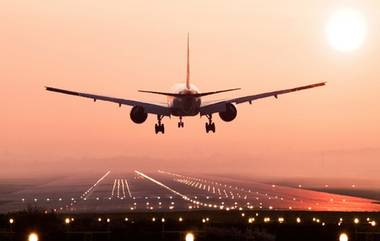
[[229, 114], [138, 114]]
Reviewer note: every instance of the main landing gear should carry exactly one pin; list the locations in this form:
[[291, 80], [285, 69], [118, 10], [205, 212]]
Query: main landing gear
[[159, 127], [180, 123], [210, 126]]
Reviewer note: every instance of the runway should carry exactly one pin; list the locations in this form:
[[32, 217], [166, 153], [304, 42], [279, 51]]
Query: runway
[[140, 191]]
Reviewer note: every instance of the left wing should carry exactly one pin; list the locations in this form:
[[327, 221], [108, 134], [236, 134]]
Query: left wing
[[148, 107], [221, 105]]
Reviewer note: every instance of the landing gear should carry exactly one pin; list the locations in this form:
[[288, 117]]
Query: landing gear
[[210, 126], [159, 127], [180, 123]]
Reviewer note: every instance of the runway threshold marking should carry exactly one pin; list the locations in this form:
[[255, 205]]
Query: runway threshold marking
[[113, 188], [129, 190], [118, 188], [122, 187]]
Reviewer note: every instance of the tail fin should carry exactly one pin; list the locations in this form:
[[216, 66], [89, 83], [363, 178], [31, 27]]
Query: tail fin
[[188, 64]]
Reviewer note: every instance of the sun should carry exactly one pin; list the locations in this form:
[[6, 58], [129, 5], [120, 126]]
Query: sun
[[346, 30]]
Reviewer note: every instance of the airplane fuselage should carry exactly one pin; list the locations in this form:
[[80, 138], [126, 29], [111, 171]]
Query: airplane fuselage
[[187, 104]]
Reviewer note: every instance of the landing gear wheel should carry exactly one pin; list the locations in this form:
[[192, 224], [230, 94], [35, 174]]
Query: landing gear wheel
[[180, 123], [159, 127], [162, 129], [156, 128], [210, 126]]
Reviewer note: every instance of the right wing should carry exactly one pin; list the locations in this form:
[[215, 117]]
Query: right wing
[[220, 106], [148, 107]]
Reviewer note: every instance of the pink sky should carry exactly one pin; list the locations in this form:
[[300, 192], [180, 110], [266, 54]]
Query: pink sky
[[116, 47]]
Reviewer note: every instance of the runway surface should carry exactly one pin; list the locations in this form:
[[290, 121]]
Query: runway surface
[[164, 191]]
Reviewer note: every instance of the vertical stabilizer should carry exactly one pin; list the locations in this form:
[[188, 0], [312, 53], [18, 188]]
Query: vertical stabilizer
[[188, 64]]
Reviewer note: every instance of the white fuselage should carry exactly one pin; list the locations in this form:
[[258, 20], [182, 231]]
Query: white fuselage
[[186, 105]]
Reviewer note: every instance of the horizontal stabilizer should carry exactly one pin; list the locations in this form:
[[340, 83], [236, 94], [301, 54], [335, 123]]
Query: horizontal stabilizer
[[217, 92], [188, 94], [159, 93]]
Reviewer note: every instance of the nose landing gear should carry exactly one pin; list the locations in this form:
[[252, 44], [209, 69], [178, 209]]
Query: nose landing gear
[[159, 127], [210, 126], [180, 123]]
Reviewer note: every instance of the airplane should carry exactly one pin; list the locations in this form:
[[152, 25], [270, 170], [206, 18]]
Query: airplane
[[185, 101]]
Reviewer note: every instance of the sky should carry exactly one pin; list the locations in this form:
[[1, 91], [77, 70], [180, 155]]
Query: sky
[[117, 47]]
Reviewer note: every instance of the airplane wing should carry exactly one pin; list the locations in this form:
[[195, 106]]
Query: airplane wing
[[157, 109], [220, 106]]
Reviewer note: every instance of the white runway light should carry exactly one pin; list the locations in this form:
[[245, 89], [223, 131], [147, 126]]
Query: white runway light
[[343, 237], [33, 237], [189, 237]]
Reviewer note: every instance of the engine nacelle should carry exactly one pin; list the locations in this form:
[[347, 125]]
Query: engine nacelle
[[138, 114], [229, 114]]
